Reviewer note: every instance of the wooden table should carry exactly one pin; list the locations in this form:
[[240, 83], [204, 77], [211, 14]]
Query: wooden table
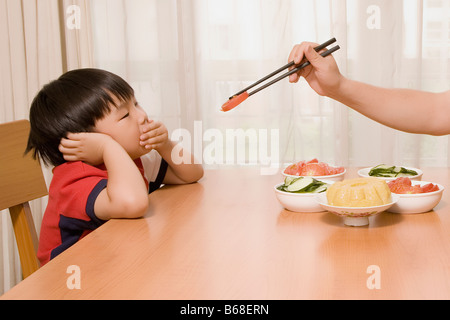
[[227, 237]]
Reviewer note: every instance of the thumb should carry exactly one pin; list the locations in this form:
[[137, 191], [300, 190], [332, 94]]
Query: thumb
[[313, 56]]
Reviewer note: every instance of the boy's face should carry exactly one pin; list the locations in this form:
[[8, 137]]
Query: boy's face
[[125, 125]]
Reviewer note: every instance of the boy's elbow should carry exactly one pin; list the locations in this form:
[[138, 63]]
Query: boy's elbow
[[197, 175], [135, 207]]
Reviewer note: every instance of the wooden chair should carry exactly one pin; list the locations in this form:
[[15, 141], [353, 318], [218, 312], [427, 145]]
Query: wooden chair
[[21, 180]]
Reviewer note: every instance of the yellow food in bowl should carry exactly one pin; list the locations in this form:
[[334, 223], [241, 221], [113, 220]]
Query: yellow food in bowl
[[360, 192]]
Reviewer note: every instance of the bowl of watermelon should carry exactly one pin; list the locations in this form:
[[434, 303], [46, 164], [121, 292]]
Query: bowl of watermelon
[[415, 196], [314, 168]]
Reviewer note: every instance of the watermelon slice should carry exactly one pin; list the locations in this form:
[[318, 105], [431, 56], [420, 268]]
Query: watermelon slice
[[404, 186], [312, 168]]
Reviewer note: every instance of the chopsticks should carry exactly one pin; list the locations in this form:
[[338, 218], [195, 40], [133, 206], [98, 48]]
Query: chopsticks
[[242, 95]]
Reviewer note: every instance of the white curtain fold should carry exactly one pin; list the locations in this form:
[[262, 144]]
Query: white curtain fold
[[36, 48], [184, 58], [78, 43], [30, 57]]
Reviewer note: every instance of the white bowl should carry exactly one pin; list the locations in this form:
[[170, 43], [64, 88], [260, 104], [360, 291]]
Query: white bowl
[[365, 174], [328, 179], [298, 202], [419, 202], [355, 216]]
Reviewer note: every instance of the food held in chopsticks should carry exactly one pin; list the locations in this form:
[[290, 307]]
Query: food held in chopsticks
[[234, 102], [241, 96], [359, 192]]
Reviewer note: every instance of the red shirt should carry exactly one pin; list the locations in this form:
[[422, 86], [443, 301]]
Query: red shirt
[[70, 215]]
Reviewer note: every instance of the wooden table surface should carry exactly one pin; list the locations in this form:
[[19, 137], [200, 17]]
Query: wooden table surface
[[227, 237]]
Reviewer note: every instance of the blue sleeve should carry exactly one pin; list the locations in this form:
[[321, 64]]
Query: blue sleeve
[[160, 178]]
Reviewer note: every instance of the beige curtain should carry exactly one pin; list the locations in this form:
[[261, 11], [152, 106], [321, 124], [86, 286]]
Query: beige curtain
[[186, 57], [39, 41]]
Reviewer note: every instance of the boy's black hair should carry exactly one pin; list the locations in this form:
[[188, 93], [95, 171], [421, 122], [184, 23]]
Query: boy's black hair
[[72, 103]]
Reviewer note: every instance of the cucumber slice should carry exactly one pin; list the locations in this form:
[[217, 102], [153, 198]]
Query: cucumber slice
[[384, 174], [407, 172], [289, 180], [390, 171], [303, 185], [321, 188], [313, 186], [300, 184], [382, 167], [383, 170]]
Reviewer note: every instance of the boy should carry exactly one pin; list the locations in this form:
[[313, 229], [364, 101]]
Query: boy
[[411, 111], [105, 150]]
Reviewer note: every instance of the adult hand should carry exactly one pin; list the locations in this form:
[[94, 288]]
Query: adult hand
[[322, 75]]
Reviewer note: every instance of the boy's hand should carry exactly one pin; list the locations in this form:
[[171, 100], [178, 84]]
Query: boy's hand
[[155, 135], [86, 146]]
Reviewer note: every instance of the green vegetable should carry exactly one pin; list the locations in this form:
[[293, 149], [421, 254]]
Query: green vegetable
[[390, 171], [299, 184], [303, 185]]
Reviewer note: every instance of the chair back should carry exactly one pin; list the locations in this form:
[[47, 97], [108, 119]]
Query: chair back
[[21, 180]]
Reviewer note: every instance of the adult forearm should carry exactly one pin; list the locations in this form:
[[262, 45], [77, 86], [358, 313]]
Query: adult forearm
[[402, 109]]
